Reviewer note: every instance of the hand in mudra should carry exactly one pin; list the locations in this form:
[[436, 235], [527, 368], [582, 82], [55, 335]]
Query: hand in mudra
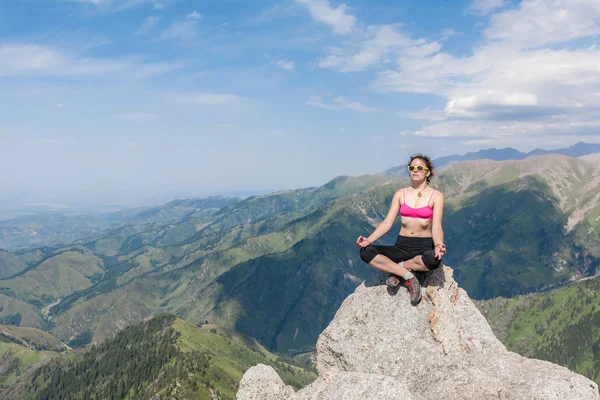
[[362, 241], [440, 250]]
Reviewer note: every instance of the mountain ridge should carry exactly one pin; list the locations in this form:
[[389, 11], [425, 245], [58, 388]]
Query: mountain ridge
[[508, 153]]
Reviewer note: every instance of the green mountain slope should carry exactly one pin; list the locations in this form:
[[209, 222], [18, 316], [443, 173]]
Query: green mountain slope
[[21, 348], [139, 282], [54, 278], [19, 313], [561, 326], [288, 259], [162, 358], [10, 264]]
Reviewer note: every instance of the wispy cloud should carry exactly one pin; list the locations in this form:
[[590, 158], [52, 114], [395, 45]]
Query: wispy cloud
[[149, 22], [485, 7], [34, 59], [195, 15], [181, 30], [288, 65], [378, 42], [117, 5], [207, 98], [338, 103], [322, 11]]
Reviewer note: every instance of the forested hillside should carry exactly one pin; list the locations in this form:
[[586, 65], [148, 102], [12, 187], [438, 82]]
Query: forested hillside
[[162, 358], [561, 326]]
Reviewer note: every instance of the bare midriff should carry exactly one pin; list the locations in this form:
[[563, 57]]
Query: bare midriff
[[415, 227]]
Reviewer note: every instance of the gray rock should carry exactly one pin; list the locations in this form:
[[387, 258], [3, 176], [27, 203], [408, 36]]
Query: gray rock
[[380, 347], [261, 382]]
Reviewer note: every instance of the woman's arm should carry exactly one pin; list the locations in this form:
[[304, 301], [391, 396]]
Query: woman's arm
[[437, 233], [387, 223]]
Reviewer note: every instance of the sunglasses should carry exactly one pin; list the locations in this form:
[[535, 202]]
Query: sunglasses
[[413, 168]]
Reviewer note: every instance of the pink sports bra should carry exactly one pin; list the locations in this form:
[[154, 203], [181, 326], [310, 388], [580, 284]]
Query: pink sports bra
[[421, 212]]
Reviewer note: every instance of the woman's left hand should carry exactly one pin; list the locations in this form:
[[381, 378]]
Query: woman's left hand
[[440, 250]]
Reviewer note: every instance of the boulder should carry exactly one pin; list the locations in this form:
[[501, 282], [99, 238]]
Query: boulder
[[378, 346]]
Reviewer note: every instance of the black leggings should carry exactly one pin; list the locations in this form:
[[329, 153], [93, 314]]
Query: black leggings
[[406, 248]]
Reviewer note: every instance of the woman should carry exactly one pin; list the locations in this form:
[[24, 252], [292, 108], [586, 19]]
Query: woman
[[420, 245]]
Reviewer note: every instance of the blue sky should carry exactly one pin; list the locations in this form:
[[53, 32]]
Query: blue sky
[[190, 98]]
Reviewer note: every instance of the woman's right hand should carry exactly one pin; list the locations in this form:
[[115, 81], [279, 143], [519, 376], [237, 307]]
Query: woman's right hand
[[362, 241]]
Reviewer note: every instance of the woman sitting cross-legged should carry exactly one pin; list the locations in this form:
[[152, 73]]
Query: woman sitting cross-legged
[[420, 244]]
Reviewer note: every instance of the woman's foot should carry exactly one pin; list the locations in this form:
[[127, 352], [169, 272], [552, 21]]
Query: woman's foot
[[414, 287], [392, 281]]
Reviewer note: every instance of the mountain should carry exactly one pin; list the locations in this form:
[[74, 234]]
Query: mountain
[[561, 325], [277, 267], [378, 346], [508, 153], [56, 229], [161, 358]]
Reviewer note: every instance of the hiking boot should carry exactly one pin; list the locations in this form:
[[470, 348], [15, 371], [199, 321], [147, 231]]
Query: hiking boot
[[392, 281], [414, 287]]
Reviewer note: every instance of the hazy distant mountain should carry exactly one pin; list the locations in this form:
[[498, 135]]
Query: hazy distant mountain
[[59, 229], [508, 153]]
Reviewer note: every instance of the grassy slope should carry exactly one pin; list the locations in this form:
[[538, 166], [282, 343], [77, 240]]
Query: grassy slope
[[56, 277], [18, 312], [10, 264], [232, 354], [31, 337]]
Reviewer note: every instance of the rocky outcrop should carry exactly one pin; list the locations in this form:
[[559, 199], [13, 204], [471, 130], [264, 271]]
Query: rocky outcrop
[[380, 347]]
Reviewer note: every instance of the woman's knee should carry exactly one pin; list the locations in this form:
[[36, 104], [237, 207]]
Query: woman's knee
[[367, 254], [430, 261]]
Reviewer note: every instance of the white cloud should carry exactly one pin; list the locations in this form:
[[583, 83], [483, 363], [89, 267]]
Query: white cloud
[[489, 102], [540, 22], [34, 59], [484, 7], [138, 117], [207, 98], [375, 44], [526, 77], [338, 103], [194, 15], [322, 11], [59, 105], [182, 30], [149, 22], [288, 65]]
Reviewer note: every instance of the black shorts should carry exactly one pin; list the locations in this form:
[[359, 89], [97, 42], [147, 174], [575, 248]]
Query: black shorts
[[406, 248]]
